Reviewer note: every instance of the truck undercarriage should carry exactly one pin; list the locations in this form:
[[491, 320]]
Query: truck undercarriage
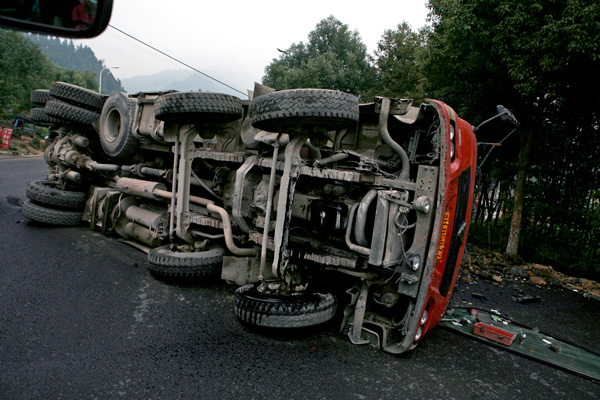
[[315, 205]]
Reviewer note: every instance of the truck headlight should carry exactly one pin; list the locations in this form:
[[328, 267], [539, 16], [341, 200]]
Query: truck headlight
[[418, 334]]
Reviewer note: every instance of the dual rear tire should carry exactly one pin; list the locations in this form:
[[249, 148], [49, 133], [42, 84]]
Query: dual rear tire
[[52, 206]]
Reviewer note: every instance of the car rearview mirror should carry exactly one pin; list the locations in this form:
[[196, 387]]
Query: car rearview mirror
[[63, 18]]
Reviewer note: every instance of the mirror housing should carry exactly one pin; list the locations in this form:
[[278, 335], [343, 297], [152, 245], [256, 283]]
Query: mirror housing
[[506, 115], [20, 18]]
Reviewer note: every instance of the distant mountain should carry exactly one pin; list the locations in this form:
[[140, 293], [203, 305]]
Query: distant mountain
[[174, 80]]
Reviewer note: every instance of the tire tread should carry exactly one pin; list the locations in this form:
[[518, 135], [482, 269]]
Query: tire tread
[[315, 309], [50, 216]]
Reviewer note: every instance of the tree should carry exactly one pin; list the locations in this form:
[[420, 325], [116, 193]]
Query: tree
[[333, 58], [85, 79], [23, 68], [398, 62], [538, 58]]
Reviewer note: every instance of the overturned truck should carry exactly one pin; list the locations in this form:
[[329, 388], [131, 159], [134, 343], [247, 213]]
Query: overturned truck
[[315, 205]]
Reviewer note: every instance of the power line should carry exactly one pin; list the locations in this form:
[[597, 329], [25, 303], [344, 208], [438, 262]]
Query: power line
[[174, 59]]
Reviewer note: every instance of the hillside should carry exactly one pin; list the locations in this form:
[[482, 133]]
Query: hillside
[[65, 54]]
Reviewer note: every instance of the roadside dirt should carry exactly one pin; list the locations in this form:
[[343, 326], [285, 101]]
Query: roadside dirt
[[22, 147], [500, 269]]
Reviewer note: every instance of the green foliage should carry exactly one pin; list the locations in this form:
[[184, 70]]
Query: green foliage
[[85, 79], [333, 58], [398, 59], [540, 58], [540, 41], [23, 68], [460, 64]]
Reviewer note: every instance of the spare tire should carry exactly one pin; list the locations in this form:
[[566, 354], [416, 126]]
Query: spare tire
[[77, 95], [40, 96], [116, 121], [39, 115], [70, 112], [51, 216], [307, 108], [43, 192], [198, 107]]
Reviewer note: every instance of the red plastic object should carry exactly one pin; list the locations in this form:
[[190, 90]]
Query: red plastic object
[[495, 334], [5, 136]]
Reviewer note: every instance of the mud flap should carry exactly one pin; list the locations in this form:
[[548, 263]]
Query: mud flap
[[498, 331]]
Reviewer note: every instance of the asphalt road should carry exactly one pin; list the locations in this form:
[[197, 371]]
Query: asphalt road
[[81, 318]]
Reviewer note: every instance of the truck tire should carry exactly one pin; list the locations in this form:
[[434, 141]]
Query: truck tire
[[39, 115], [70, 112], [40, 96], [273, 311], [197, 107], [165, 263], [116, 121], [50, 216], [308, 108], [77, 95], [42, 192]]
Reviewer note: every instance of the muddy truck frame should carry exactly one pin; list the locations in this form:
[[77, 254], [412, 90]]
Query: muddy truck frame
[[317, 206]]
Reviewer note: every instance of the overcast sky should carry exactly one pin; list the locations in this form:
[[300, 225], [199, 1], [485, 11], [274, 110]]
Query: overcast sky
[[234, 40]]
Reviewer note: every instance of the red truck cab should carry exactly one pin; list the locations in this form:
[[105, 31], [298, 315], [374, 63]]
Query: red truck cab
[[452, 217]]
